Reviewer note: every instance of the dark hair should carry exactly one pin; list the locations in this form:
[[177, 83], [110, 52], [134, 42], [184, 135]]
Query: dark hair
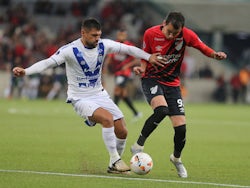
[[91, 23], [176, 19]]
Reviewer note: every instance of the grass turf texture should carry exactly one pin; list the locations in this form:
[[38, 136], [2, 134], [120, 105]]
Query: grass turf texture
[[48, 136]]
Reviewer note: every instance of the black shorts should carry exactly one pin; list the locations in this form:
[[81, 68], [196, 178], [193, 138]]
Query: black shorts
[[121, 81], [172, 95]]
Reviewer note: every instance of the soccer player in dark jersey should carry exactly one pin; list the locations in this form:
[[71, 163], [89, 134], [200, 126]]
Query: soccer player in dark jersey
[[121, 66], [161, 84]]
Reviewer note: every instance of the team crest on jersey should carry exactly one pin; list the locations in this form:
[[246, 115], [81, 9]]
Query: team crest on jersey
[[158, 48], [100, 51], [154, 89], [178, 43]]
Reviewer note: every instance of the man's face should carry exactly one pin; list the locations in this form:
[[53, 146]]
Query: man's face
[[121, 36], [169, 31], [90, 37]]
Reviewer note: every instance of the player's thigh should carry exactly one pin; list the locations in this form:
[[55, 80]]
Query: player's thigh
[[174, 100], [102, 116], [178, 120], [153, 92], [175, 105], [158, 101], [87, 106]]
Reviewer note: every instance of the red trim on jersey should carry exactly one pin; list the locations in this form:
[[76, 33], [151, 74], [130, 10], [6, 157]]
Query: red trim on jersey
[[155, 41]]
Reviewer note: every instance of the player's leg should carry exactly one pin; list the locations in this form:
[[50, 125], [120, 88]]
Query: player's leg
[[116, 165], [177, 117], [105, 118], [179, 143], [96, 114], [160, 112], [179, 125], [155, 96], [120, 132], [121, 135]]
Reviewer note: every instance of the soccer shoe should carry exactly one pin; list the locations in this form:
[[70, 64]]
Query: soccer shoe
[[119, 167], [136, 149], [181, 170]]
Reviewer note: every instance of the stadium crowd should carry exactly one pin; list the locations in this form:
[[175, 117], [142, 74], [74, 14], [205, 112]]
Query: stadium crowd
[[23, 41]]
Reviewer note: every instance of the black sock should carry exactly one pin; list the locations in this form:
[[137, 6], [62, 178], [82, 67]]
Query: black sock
[[179, 140], [151, 123], [130, 105]]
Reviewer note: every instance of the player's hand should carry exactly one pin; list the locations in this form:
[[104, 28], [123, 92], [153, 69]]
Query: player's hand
[[219, 55], [157, 60], [18, 71], [139, 70]]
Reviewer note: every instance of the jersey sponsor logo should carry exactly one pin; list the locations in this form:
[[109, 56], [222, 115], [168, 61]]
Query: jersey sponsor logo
[[172, 58], [91, 76], [159, 39], [154, 89]]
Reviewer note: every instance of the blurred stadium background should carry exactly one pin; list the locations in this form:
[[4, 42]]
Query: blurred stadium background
[[31, 30]]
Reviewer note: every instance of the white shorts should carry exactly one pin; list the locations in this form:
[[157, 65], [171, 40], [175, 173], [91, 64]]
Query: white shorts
[[86, 106]]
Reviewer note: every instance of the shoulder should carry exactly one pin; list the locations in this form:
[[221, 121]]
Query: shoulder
[[188, 32], [70, 45], [66, 50], [108, 42], [154, 29]]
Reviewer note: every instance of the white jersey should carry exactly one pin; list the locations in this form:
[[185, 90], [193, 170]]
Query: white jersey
[[84, 65]]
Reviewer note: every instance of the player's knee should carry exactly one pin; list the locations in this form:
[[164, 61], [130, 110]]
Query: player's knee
[[121, 130], [107, 121], [122, 134], [161, 111]]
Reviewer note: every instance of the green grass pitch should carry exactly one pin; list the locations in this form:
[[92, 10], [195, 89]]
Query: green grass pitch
[[45, 144]]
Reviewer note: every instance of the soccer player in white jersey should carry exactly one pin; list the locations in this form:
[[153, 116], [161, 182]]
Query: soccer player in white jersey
[[84, 60]]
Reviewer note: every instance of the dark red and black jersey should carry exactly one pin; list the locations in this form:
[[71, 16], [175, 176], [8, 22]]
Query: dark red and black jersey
[[173, 50]]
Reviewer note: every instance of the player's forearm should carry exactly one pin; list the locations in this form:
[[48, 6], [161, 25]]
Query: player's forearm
[[40, 66], [135, 52]]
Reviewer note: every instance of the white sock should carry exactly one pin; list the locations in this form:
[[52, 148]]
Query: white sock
[[109, 139], [176, 159], [120, 145]]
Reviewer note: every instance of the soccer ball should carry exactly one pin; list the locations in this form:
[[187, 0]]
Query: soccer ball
[[141, 163]]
